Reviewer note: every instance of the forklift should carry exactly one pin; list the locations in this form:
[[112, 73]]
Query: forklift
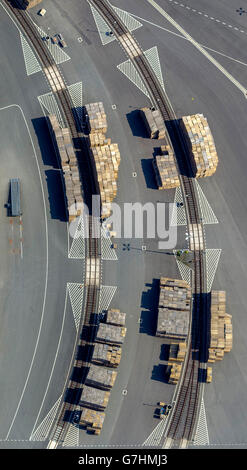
[[164, 409]]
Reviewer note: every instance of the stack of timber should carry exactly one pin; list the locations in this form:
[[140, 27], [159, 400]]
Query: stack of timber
[[154, 123], [220, 327], [26, 4], [174, 309], [106, 355], [101, 377], [115, 317], [200, 142], [209, 375], [96, 118], [68, 161], [177, 352], [94, 398], [165, 169], [111, 334], [175, 372], [92, 420], [97, 140]]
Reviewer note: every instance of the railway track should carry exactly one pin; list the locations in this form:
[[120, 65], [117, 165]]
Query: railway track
[[80, 143], [185, 410]]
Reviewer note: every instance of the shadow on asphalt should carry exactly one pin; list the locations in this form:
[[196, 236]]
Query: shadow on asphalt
[[159, 373], [136, 124], [148, 171], [150, 305]]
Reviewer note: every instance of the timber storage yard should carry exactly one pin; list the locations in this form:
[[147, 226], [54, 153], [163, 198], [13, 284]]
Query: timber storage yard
[[191, 319]]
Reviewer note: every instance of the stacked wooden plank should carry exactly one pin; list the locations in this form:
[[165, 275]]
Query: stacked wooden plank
[[97, 140], [220, 327], [115, 317], [101, 377], [111, 334], [68, 161], [177, 352], [209, 375], [96, 118], [92, 420], [154, 123], [29, 3], [200, 141], [94, 398], [165, 169], [174, 309], [107, 355], [175, 372]]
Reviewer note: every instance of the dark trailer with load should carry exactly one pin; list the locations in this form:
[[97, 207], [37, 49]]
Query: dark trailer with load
[[15, 197]]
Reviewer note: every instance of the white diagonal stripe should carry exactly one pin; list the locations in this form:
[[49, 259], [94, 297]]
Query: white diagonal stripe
[[131, 23], [75, 91], [155, 437], [208, 216], [72, 437], [129, 70], [178, 213], [201, 436], [152, 56], [31, 62], [102, 27], [42, 431], [184, 270], [76, 292], [212, 260], [77, 250], [105, 297], [48, 102], [57, 53], [107, 252]]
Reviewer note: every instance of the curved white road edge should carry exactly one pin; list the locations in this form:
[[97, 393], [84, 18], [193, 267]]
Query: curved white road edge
[[198, 46], [46, 274]]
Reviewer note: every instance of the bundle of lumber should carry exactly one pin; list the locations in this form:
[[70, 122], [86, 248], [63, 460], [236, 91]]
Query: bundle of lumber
[[96, 118], [203, 154], [111, 334], [96, 140], [165, 169], [177, 352], [106, 354], [154, 123], [115, 317], [92, 420], [175, 372], [220, 327], [209, 375], [101, 377], [94, 398], [68, 162]]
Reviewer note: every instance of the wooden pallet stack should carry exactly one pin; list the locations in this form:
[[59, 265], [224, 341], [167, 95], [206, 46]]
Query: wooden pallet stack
[[115, 317], [101, 377], [174, 309], [110, 334], [209, 375], [97, 140], [68, 162], [107, 355], [92, 420], [165, 169], [96, 118], [94, 398], [154, 123], [200, 141], [175, 372], [220, 327], [177, 352]]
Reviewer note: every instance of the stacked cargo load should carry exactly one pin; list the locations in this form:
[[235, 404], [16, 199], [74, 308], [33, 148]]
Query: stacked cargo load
[[111, 334], [68, 161], [96, 118], [101, 377], [115, 317], [107, 355], [200, 142], [177, 352], [27, 4], [92, 420], [154, 123], [165, 169], [174, 309], [220, 327], [175, 372], [94, 398]]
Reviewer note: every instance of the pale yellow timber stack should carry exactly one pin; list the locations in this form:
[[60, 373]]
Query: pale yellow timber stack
[[209, 375], [68, 161], [220, 327], [165, 169], [115, 317], [29, 3], [96, 118], [174, 373], [154, 123], [97, 140], [200, 141], [107, 355], [92, 420], [101, 377], [177, 352], [94, 398], [111, 334]]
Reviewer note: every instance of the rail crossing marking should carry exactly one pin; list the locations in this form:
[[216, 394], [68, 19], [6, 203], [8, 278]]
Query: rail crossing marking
[[57, 53], [48, 104], [178, 212], [152, 56], [76, 293], [72, 437], [77, 249], [184, 270], [107, 253], [208, 215], [105, 297], [75, 91], [156, 435], [31, 62], [129, 70], [201, 435], [212, 261], [103, 28], [42, 431]]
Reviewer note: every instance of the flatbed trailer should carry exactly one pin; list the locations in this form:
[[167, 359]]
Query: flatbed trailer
[[15, 197]]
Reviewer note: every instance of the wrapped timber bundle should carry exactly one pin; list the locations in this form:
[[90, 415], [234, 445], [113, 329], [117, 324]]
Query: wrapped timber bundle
[[203, 154], [220, 327], [115, 317], [106, 354], [165, 169], [94, 398], [68, 161], [175, 372], [101, 377], [96, 118], [92, 420], [154, 123], [174, 309], [209, 375], [177, 352], [111, 334]]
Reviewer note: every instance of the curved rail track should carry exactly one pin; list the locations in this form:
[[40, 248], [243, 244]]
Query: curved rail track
[[185, 410]]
